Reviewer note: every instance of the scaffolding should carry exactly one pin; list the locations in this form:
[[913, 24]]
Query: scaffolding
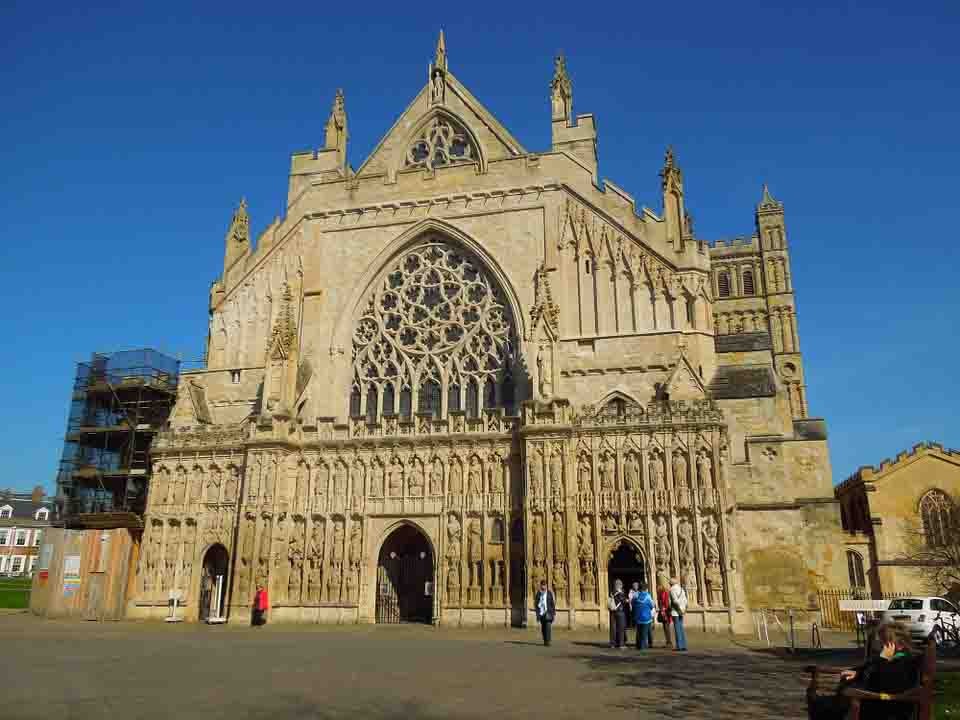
[[120, 401]]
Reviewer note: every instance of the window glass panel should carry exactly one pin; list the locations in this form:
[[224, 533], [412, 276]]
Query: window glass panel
[[406, 401], [371, 404], [453, 401], [489, 394], [473, 399], [355, 402], [388, 408]]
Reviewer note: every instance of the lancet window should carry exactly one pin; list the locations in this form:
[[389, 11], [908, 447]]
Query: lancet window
[[936, 510], [441, 142], [436, 336]]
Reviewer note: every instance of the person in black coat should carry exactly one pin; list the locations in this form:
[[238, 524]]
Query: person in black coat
[[546, 607], [619, 604], [894, 670]]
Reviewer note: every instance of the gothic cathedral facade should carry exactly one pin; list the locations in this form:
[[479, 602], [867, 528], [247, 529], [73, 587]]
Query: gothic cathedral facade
[[466, 367]]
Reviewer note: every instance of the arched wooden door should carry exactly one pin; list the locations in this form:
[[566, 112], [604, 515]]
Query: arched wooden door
[[405, 578], [213, 585]]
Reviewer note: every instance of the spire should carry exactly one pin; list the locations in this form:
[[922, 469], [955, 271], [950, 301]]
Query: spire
[[337, 124], [671, 175], [561, 90], [440, 58], [284, 333], [768, 202], [238, 236]]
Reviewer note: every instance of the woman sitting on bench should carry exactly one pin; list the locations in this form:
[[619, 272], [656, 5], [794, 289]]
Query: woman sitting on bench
[[893, 671]]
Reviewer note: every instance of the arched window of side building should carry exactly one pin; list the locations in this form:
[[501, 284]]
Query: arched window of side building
[[855, 569], [748, 288], [936, 513]]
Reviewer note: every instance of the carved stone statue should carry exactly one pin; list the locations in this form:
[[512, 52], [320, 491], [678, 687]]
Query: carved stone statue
[[636, 523], [456, 477], [416, 479], [705, 477], [475, 552], [315, 579], [437, 86], [679, 469], [475, 477], [233, 483], [356, 546], [300, 483], [556, 474], [269, 478], [263, 553], [585, 538], [180, 486], [453, 539], [606, 474], [436, 478], [253, 480], [496, 472], [559, 538], [685, 542], [584, 485], [656, 473], [196, 484], [661, 546], [172, 554], [336, 553], [378, 480], [340, 481], [248, 530], [295, 558], [395, 479], [536, 476], [711, 545], [545, 371], [610, 524], [189, 547], [280, 561], [631, 476], [537, 530], [358, 480]]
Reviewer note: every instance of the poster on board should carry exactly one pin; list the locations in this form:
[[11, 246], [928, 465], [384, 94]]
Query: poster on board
[[71, 575]]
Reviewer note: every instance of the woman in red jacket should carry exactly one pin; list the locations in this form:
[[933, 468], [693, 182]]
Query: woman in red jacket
[[261, 603], [663, 612]]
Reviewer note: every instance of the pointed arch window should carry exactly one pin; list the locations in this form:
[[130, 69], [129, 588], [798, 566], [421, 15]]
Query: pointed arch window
[[371, 403], [442, 141], [437, 323], [855, 569], [355, 402], [936, 512], [748, 287], [723, 284]]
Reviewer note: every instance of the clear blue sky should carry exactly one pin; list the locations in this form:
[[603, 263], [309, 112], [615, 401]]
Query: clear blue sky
[[130, 133]]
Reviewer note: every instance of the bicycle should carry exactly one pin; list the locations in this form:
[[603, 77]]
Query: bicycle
[[945, 630]]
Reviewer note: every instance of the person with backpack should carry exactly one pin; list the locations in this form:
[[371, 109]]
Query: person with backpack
[[643, 606], [663, 611], [617, 603], [678, 608]]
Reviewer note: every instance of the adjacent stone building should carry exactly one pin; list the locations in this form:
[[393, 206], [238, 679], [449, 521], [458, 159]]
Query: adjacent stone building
[[887, 509], [466, 366]]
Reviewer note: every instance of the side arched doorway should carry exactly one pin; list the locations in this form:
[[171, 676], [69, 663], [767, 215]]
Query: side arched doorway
[[626, 563], [213, 585], [405, 578]]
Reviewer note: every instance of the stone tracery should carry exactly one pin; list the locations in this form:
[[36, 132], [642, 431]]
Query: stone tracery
[[442, 141], [437, 335]]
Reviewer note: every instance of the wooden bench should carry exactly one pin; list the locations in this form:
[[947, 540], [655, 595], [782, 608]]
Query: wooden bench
[[826, 680]]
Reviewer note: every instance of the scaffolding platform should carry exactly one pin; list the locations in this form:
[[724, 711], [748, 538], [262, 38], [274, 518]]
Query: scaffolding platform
[[119, 402]]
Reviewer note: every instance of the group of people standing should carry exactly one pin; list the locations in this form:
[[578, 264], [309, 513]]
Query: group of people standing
[[667, 608], [639, 605]]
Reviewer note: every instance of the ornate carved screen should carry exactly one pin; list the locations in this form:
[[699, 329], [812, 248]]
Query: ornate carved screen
[[437, 335]]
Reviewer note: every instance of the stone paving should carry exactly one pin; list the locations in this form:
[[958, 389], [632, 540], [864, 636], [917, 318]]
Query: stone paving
[[74, 671]]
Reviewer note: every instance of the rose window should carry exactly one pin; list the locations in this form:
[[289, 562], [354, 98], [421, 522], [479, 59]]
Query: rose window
[[441, 142], [436, 335]]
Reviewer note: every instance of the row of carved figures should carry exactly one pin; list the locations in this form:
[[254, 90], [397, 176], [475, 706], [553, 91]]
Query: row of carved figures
[[212, 484], [684, 565], [610, 478]]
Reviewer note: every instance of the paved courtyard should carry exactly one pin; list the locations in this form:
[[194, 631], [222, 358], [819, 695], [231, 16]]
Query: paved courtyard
[[76, 670]]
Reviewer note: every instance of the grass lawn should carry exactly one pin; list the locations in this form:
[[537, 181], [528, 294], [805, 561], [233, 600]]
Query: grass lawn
[[15, 592], [948, 696]]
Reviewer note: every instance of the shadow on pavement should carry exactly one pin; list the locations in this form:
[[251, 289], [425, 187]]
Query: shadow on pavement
[[724, 686]]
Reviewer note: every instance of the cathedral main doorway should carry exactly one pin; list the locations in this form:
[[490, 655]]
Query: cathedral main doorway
[[626, 564], [213, 585], [405, 578]]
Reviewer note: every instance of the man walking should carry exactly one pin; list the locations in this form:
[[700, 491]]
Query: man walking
[[546, 610], [634, 591], [678, 608]]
